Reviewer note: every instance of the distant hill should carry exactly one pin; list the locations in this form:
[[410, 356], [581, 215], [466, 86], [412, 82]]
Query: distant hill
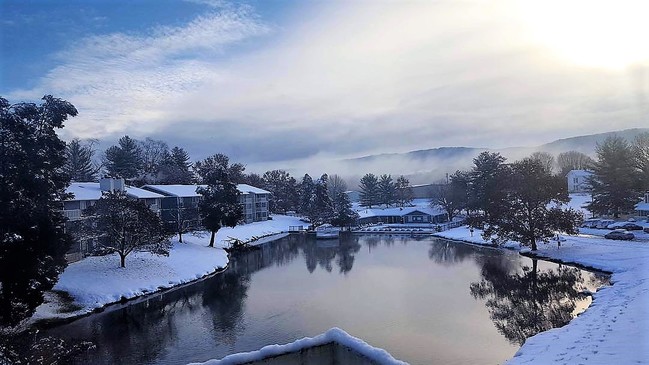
[[431, 165]]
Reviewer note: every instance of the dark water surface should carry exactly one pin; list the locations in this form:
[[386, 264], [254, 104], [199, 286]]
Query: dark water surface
[[426, 301]]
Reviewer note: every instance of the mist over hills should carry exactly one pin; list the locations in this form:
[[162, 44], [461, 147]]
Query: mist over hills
[[432, 165]]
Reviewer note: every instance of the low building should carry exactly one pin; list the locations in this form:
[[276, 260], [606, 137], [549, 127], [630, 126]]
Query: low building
[[424, 191], [642, 208], [579, 181], [184, 198], [86, 194], [405, 215]]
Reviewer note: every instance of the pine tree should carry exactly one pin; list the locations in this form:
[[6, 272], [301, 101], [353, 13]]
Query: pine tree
[[530, 211], [321, 210], [32, 241], [284, 191], [219, 205], [344, 215], [640, 149], [124, 160], [79, 165], [615, 182], [403, 191], [369, 190], [176, 167], [123, 225], [387, 190], [306, 190], [486, 194]]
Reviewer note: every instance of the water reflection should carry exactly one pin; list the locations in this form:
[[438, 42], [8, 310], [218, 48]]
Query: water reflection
[[528, 301], [292, 288]]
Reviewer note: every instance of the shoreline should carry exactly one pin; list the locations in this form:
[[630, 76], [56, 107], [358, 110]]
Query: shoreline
[[613, 329], [123, 302]]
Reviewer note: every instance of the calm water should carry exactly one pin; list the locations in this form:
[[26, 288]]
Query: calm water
[[426, 301]]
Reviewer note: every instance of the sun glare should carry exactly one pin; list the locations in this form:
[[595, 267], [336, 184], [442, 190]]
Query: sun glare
[[611, 34]]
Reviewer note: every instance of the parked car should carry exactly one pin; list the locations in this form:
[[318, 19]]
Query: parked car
[[629, 226], [619, 235], [590, 223], [646, 229], [603, 224]]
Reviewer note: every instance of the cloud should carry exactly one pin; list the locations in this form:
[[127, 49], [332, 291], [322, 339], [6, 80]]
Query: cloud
[[339, 79]]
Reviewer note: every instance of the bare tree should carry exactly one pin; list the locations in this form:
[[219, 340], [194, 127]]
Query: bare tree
[[336, 185], [545, 159], [154, 153], [573, 160]]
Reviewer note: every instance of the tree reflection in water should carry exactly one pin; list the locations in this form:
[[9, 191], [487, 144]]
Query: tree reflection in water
[[323, 252], [528, 301]]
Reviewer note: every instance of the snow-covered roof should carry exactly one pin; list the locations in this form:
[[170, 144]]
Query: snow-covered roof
[[186, 191], [84, 191], [245, 188], [92, 191], [183, 191], [141, 193], [377, 212], [642, 206]]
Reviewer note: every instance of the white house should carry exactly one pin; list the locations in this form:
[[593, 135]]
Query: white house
[[579, 181], [642, 208]]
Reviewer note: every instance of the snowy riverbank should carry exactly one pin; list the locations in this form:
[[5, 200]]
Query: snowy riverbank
[[615, 328], [95, 282]]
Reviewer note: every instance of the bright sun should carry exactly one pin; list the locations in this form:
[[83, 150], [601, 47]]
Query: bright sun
[[611, 34]]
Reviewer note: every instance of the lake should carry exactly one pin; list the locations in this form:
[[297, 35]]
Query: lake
[[424, 300]]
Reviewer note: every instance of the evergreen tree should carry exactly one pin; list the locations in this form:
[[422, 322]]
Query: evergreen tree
[[176, 168], [32, 240], [321, 208], [284, 191], [403, 191], [79, 165], [125, 159], [486, 193], [219, 205], [255, 180], [306, 190], [531, 211], [344, 215], [615, 182], [369, 190], [387, 190], [641, 157], [123, 225], [573, 160]]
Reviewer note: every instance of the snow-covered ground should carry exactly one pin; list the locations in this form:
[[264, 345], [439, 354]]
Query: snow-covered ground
[[374, 354], [97, 281], [615, 328]]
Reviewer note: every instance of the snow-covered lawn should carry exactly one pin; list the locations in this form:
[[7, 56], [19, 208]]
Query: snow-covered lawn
[[615, 328], [96, 281]]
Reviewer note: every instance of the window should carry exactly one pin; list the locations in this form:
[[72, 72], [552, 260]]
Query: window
[[575, 180], [72, 205]]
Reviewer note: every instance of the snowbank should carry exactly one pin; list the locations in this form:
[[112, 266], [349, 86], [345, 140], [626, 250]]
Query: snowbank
[[615, 328], [97, 281], [377, 355]]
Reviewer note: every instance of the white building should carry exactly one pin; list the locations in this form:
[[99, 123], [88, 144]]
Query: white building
[[86, 194], [253, 200], [642, 208], [579, 181]]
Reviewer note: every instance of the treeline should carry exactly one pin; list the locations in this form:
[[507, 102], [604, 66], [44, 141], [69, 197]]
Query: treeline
[[522, 201]]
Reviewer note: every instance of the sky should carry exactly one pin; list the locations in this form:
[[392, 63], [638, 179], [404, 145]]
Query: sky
[[272, 83]]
